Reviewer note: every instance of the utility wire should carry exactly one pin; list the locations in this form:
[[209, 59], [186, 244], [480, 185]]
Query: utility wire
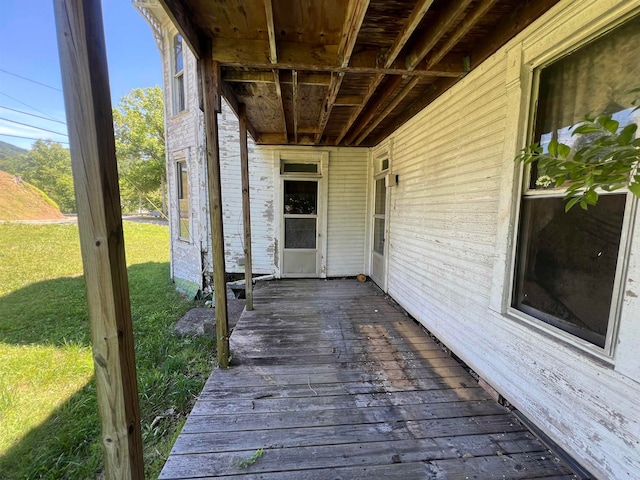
[[33, 126], [32, 115], [26, 105], [32, 81], [29, 138]]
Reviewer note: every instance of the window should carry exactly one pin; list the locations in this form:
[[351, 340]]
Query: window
[[178, 75], [567, 264], [183, 200]]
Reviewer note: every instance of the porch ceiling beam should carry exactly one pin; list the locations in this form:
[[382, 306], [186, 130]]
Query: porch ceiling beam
[[236, 76], [210, 78], [470, 20], [356, 113], [356, 11], [85, 81], [417, 14], [255, 54], [373, 108], [441, 25], [375, 121], [413, 21], [519, 19], [228, 94], [296, 99], [348, 100], [273, 51], [180, 15], [276, 82]]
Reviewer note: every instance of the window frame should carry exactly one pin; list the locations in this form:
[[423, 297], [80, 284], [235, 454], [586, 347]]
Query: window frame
[[530, 94], [182, 168], [179, 95]]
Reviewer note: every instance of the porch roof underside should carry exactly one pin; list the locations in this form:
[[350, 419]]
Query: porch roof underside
[[336, 72], [331, 380]]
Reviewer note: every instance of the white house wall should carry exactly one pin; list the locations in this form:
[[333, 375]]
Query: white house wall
[[181, 143], [451, 231], [347, 212]]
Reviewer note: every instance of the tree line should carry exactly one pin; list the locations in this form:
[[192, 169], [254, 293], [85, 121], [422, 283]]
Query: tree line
[[139, 134]]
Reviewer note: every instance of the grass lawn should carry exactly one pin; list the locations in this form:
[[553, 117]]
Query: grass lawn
[[48, 411]]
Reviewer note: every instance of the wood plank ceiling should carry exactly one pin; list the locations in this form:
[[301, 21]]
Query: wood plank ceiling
[[344, 72]]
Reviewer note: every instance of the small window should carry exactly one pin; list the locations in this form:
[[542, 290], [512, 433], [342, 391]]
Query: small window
[[567, 263], [299, 167], [183, 200], [178, 75]]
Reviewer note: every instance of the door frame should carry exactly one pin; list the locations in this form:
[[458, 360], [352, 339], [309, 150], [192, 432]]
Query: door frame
[[321, 158], [378, 171]]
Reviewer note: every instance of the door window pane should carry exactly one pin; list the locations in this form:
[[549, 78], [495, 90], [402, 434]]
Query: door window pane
[[300, 233], [568, 263], [378, 235], [381, 197], [300, 197]]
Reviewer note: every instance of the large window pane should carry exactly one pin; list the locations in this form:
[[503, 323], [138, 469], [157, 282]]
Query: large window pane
[[593, 80], [300, 233], [378, 235], [568, 263], [381, 197], [300, 197]]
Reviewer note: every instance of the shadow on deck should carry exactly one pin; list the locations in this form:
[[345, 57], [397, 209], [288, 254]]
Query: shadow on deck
[[331, 381]]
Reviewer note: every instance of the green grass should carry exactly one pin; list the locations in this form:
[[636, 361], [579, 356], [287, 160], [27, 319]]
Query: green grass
[[48, 409]]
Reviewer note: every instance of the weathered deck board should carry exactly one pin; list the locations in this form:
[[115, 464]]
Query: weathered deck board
[[332, 381]]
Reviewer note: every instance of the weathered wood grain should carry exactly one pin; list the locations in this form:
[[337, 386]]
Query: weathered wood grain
[[210, 77], [328, 391], [87, 101], [246, 209]]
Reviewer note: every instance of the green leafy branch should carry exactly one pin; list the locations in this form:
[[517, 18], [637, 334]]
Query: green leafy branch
[[608, 161]]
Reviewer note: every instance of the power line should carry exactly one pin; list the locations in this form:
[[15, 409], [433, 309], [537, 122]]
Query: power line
[[26, 105], [32, 81], [32, 115], [33, 126], [29, 138]]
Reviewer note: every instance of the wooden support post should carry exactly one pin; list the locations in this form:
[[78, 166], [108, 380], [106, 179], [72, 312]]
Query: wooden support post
[[87, 99], [210, 78], [246, 209]]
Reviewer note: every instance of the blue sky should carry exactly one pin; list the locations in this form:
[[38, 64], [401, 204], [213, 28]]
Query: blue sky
[[30, 50]]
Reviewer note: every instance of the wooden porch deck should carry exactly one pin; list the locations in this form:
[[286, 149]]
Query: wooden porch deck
[[331, 381]]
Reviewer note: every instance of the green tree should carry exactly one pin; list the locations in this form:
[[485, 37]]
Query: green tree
[[48, 166], [139, 132]]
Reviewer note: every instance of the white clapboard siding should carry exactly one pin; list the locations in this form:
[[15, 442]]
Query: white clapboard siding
[[347, 211], [444, 239]]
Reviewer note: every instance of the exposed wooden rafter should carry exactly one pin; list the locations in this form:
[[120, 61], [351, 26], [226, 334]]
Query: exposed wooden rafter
[[255, 55], [273, 51], [518, 20], [441, 25], [366, 58], [470, 20], [375, 121], [276, 81], [413, 21], [294, 87], [416, 16], [350, 29], [238, 76], [373, 108]]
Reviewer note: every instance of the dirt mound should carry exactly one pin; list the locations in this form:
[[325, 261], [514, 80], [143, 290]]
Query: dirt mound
[[20, 200]]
